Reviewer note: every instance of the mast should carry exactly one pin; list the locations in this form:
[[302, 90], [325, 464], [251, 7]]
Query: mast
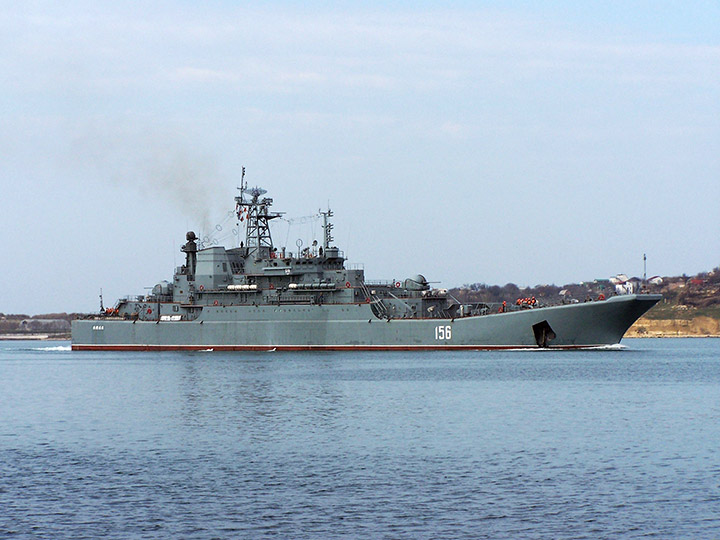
[[252, 207], [327, 228]]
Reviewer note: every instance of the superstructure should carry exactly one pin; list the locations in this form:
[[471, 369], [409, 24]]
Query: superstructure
[[258, 297]]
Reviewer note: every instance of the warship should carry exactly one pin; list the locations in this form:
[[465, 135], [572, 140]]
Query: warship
[[258, 297]]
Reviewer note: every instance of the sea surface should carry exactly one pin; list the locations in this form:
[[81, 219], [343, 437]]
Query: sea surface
[[622, 442]]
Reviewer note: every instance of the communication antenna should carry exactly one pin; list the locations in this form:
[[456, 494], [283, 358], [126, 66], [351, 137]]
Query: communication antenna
[[327, 227], [102, 308], [240, 203], [644, 268], [243, 185]]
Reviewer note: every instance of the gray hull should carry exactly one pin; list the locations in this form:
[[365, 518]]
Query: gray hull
[[355, 327]]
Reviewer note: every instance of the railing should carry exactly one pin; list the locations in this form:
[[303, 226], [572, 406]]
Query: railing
[[133, 298], [312, 254], [379, 283], [377, 306], [295, 299]]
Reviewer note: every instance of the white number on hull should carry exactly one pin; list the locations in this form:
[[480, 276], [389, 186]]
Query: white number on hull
[[443, 332]]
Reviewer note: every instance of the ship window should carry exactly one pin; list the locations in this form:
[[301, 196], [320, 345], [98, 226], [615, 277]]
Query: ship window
[[175, 308], [224, 267]]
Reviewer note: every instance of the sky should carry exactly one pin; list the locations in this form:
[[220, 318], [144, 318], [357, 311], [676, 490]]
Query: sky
[[486, 142]]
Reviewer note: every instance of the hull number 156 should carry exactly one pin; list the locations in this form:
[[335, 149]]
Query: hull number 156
[[443, 332]]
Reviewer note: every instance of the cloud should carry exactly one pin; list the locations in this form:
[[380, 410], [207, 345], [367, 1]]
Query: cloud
[[461, 114], [286, 51], [189, 74], [160, 164]]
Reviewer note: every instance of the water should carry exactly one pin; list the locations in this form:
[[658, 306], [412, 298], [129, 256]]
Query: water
[[618, 443]]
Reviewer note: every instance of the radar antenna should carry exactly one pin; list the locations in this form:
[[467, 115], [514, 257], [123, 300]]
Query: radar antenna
[[250, 206]]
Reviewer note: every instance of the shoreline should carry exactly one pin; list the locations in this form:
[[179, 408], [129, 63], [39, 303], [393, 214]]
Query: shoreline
[[35, 337], [670, 336], [699, 326]]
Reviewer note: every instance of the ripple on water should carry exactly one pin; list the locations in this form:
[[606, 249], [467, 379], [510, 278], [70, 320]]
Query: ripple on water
[[583, 444]]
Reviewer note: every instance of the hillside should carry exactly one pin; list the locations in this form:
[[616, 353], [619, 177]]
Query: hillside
[[690, 305], [49, 325]]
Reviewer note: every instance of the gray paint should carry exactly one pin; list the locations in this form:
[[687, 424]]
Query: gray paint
[[256, 297], [355, 326]]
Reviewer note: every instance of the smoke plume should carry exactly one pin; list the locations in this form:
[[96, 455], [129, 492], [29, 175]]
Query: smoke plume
[[161, 166]]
